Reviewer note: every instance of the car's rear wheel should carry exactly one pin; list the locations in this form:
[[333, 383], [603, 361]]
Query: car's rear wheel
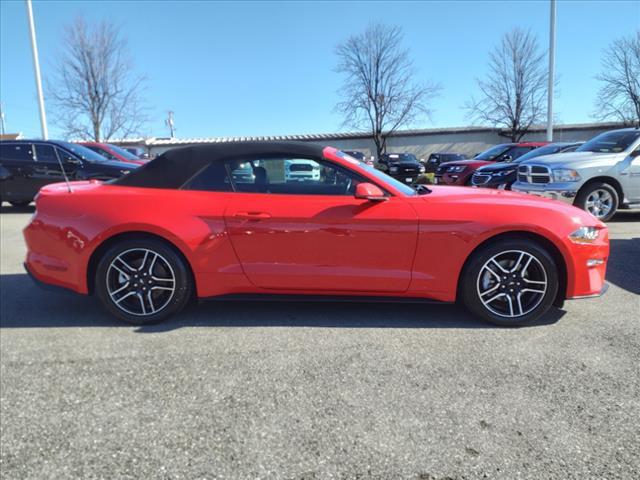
[[599, 199], [510, 282], [143, 281], [20, 204]]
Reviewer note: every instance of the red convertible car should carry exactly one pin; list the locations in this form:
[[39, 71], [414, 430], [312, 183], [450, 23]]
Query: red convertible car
[[192, 224]]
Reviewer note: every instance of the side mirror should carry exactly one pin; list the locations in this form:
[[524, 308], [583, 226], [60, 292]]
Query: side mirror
[[368, 191], [507, 158], [635, 153]]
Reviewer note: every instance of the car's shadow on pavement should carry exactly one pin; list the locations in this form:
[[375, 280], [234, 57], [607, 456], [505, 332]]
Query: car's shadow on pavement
[[623, 268], [24, 305]]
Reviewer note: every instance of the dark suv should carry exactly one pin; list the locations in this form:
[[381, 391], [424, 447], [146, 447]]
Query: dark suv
[[436, 159], [502, 175], [401, 166], [28, 165]]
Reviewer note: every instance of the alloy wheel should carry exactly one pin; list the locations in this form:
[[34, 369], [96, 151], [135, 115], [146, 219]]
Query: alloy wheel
[[512, 283], [140, 282], [599, 203]]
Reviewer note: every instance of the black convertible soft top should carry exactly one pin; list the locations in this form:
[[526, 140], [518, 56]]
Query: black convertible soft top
[[175, 167]]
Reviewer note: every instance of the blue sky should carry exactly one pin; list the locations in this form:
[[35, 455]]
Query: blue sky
[[266, 68]]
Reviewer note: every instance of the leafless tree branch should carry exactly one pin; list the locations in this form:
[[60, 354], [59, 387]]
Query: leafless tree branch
[[512, 96], [378, 93], [93, 93], [619, 95]]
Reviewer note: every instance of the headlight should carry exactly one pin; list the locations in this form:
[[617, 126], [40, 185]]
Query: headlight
[[393, 169], [584, 235], [565, 175], [456, 169], [503, 173], [124, 172]]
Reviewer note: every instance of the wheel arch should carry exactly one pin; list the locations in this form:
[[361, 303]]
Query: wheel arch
[[603, 179], [542, 241], [107, 243]]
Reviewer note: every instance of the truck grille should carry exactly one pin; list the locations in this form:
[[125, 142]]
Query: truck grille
[[480, 179], [534, 174]]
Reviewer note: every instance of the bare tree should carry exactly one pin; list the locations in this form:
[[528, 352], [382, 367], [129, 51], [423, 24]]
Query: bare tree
[[619, 96], [379, 93], [93, 92], [513, 95]]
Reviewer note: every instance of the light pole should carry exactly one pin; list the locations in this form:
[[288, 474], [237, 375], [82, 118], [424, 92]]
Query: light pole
[[552, 68], [36, 67]]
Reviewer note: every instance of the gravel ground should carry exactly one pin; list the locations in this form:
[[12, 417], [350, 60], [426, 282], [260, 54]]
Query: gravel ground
[[306, 391]]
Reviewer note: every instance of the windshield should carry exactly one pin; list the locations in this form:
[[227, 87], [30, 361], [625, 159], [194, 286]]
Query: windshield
[[493, 152], [83, 152], [122, 152], [383, 177], [537, 152], [402, 157], [610, 142]]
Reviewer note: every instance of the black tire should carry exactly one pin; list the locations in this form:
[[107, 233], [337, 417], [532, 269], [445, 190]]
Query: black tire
[[477, 282], [583, 197], [20, 204], [146, 288]]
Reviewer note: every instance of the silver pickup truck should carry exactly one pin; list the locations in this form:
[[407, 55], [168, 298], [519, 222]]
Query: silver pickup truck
[[601, 176]]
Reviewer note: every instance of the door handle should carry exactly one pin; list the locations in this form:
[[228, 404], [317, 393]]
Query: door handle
[[253, 215]]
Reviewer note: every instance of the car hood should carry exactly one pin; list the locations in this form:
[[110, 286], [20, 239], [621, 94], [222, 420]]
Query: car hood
[[471, 161], [498, 167], [571, 158], [505, 201]]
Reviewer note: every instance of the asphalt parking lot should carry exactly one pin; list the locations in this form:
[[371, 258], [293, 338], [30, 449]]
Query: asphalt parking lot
[[306, 391]]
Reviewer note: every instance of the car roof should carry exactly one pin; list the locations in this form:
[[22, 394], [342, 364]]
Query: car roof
[[531, 144], [175, 167]]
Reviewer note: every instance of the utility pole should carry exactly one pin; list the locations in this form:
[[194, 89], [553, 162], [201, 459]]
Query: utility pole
[[2, 129], [552, 68], [36, 67], [169, 123]]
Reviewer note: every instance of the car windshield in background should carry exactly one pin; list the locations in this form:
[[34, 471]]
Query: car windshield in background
[[83, 152], [610, 142], [123, 153], [402, 157], [383, 177], [538, 152], [493, 152]]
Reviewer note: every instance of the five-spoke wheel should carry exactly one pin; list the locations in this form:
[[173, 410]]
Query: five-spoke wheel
[[510, 282], [143, 281]]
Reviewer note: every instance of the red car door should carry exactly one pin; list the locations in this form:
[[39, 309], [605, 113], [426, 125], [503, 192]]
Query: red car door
[[323, 242]]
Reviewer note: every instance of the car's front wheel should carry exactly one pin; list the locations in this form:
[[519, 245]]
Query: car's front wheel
[[510, 282], [599, 199], [143, 281]]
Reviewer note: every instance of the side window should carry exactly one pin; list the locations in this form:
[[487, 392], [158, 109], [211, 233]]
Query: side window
[[298, 176], [46, 154], [213, 178], [17, 152], [65, 156]]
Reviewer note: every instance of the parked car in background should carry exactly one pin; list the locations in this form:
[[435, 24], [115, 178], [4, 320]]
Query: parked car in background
[[503, 174], [113, 152], [435, 159], [508, 258], [599, 177], [28, 165], [360, 156], [401, 166], [460, 172], [301, 170]]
